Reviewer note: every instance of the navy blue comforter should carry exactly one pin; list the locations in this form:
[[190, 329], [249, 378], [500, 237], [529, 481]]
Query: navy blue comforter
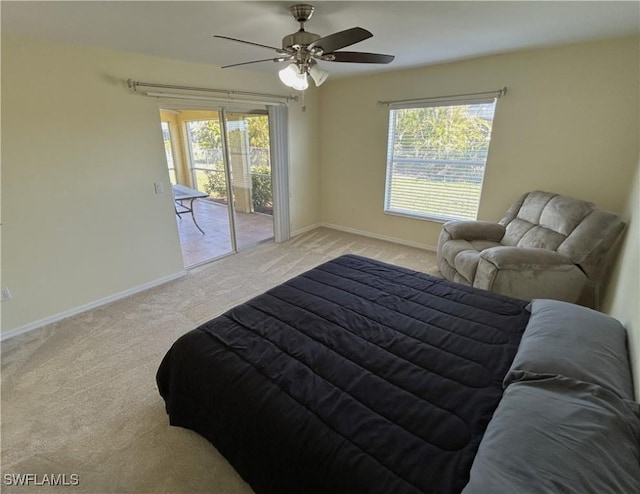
[[355, 377]]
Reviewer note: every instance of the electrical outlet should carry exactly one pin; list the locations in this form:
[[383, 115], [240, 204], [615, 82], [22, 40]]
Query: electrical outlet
[[5, 294]]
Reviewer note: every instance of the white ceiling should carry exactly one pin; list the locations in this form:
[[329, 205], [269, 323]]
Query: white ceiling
[[417, 33]]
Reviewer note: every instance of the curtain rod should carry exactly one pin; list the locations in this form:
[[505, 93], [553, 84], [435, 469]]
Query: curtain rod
[[229, 92], [494, 94], [197, 97]]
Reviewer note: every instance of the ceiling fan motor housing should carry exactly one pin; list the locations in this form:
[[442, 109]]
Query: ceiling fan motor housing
[[301, 38]]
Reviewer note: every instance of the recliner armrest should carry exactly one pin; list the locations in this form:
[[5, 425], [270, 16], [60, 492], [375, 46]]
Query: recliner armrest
[[530, 258], [474, 230], [528, 273]]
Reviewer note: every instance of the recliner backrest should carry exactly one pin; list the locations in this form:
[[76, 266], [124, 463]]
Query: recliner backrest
[[572, 227]]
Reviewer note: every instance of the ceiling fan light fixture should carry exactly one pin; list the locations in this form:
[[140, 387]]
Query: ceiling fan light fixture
[[288, 74], [291, 77], [301, 82], [318, 75]]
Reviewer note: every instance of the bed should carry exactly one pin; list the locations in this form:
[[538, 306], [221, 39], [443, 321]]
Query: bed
[[360, 377]]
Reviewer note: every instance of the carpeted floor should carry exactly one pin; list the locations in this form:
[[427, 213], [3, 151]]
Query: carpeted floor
[[79, 396]]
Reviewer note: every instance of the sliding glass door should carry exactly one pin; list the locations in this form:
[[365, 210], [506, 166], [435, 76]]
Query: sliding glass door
[[208, 175], [250, 164], [228, 161]]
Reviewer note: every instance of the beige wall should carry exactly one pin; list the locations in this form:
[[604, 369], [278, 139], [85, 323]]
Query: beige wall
[[622, 298], [80, 155], [304, 163], [568, 124]]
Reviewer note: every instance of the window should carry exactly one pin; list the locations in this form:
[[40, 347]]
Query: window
[[436, 159]]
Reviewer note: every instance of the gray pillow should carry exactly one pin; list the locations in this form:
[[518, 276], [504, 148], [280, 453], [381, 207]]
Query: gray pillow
[[573, 341], [559, 435]]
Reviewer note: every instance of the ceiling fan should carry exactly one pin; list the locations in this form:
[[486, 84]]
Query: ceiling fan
[[304, 48]]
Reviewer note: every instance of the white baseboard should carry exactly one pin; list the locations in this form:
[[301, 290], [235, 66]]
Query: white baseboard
[[379, 237], [306, 229], [126, 293], [364, 233], [5, 335]]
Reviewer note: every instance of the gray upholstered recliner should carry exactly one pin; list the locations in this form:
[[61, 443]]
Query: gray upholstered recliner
[[546, 246]]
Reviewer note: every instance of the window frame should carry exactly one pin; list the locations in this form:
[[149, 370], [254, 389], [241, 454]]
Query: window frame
[[390, 161]]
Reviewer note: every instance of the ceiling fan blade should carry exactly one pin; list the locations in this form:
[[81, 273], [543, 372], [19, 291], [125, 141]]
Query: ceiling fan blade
[[279, 50], [340, 39], [278, 59], [360, 57]]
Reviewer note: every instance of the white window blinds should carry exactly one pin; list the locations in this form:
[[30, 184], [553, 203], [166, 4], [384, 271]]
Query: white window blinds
[[437, 153]]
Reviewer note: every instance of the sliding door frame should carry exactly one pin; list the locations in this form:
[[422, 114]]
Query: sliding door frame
[[231, 209], [279, 156]]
